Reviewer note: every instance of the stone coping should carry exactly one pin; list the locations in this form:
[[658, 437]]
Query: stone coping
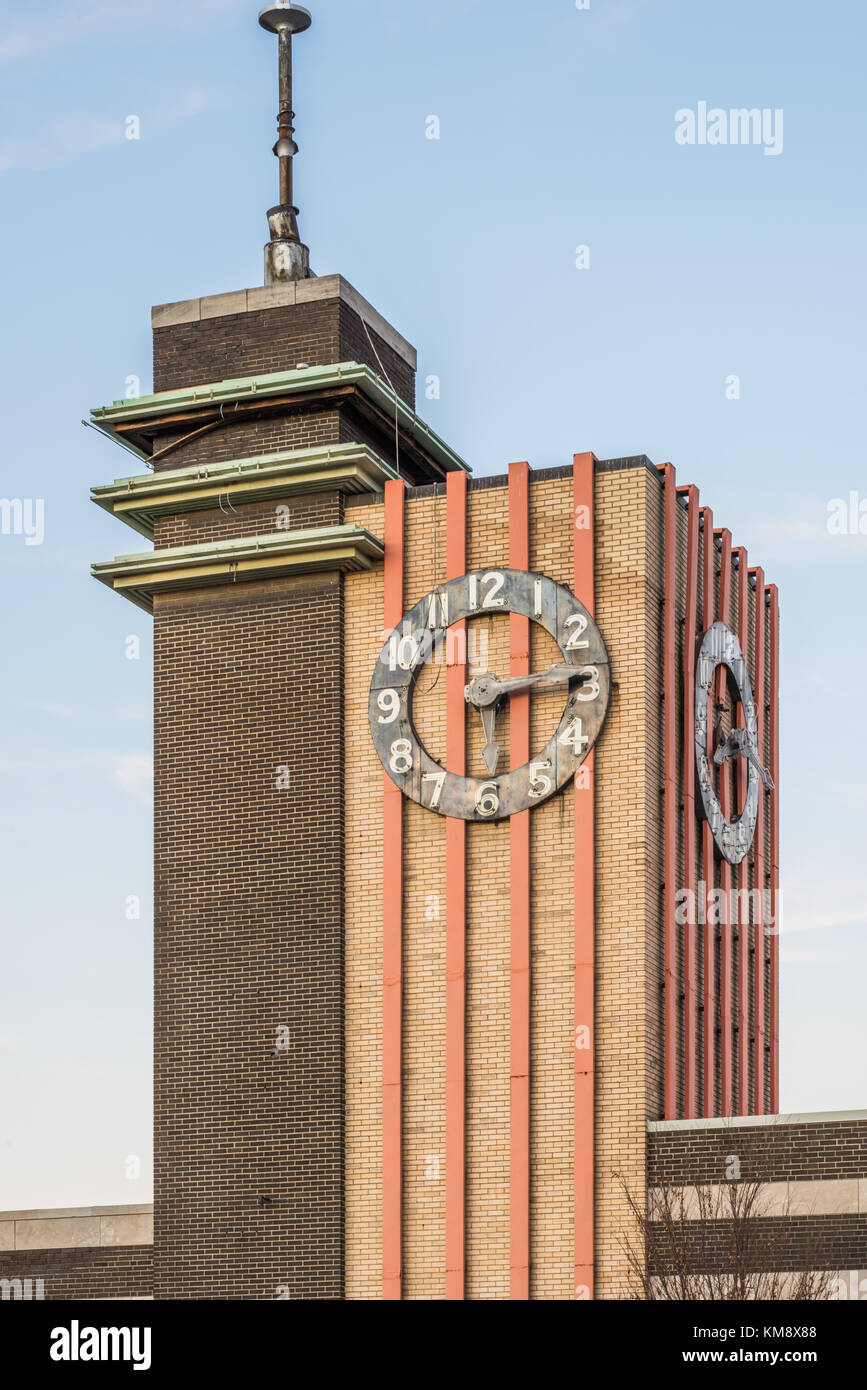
[[821, 1117], [317, 288], [73, 1228], [42, 1213]]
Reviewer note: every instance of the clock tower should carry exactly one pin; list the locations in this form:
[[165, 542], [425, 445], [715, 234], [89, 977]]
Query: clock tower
[[466, 838]]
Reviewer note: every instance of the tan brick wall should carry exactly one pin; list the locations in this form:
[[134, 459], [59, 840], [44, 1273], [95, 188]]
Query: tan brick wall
[[629, 855], [628, 901]]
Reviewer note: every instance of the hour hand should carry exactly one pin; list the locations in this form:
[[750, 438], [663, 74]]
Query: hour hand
[[491, 751], [737, 742]]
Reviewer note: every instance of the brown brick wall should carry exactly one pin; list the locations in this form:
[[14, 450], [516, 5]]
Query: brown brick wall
[[320, 333], [249, 893], [122, 1271], [252, 519], [308, 429], [249, 938], [771, 1244], [774, 1152]]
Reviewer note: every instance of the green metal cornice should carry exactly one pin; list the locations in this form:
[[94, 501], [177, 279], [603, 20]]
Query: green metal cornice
[[338, 548], [339, 467], [276, 386]]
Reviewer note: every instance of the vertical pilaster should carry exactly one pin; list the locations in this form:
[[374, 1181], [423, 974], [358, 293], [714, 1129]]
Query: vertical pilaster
[[584, 587], [774, 747], [456, 912], [670, 793], [392, 940], [759, 857], [519, 859], [726, 972], [690, 932], [743, 870], [708, 868]]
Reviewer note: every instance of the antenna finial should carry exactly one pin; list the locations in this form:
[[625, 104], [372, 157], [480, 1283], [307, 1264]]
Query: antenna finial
[[286, 257]]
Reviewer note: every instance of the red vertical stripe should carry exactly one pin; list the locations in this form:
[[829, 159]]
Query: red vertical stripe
[[585, 917], [759, 860], [456, 911], [774, 747], [670, 799], [690, 931], [519, 837], [744, 866], [392, 937], [726, 959], [708, 1091]]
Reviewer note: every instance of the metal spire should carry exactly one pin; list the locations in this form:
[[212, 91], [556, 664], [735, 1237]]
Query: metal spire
[[286, 257]]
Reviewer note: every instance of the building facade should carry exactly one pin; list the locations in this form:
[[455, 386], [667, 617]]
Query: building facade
[[466, 840]]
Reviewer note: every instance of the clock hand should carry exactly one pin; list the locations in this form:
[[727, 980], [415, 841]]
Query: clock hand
[[488, 690], [728, 749], [737, 742], [491, 751], [766, 777], [486, 694]]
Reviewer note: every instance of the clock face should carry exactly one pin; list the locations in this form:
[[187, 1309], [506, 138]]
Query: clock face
[[720, 648], [582, 675]]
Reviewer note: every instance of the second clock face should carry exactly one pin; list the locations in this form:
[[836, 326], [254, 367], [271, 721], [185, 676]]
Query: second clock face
[[733, 836], [583, 675]]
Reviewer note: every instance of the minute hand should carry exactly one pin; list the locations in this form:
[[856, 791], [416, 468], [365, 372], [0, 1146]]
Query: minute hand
[[555, 675]]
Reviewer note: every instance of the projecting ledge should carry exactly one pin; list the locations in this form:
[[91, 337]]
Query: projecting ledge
[[348, 468], [140, 577]]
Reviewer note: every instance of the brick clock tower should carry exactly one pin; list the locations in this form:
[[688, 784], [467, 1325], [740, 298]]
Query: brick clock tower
[[452, 776]]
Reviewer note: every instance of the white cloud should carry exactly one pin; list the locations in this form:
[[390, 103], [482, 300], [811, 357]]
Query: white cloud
[[64, 139], [811, 906], [88, 714], [802, 955], [56, 27], [801, 540], [59, 142], [134, 773]]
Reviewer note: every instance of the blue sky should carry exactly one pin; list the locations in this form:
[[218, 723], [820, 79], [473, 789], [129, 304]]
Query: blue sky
[[557, 130]]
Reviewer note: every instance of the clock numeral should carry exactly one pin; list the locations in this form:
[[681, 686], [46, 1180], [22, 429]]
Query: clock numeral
[[401, 757], [438, 611], [389, 702], [591, 690], [574, 737], [439, 779], [537, 598], [540, 783], [488, 799], [403, 651], [493, 597], [579, 622]]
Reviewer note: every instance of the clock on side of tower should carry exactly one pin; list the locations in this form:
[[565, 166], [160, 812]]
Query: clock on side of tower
[[582, 673]]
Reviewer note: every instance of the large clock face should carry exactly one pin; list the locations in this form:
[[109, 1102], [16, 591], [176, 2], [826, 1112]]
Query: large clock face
[[732, 836], [583, 675]]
